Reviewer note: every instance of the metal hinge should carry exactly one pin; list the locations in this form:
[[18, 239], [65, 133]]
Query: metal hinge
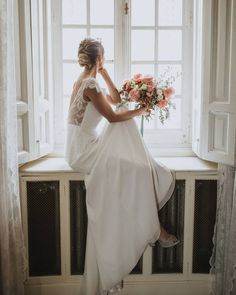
[[190, 17], [126, 8]]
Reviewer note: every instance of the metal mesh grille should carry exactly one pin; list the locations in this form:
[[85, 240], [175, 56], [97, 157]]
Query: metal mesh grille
[[204, 220], [170, 260], [138, 269], [78, 226], [43, 228]]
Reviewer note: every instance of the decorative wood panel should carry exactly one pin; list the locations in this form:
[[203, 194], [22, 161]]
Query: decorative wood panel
[[214, 134]]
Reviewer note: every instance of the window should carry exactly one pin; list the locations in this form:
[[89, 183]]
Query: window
[[135, 40], [47, 35]]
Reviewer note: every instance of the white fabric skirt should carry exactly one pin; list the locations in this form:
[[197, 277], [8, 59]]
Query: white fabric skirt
[[125, 189]]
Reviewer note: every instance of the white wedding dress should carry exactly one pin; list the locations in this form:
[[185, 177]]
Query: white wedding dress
[[125, 188]]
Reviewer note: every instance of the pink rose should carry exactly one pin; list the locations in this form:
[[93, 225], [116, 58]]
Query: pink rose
[[150, 88], [138, 78], [148, 79], [134, 95], [162, 103], [169, 91]]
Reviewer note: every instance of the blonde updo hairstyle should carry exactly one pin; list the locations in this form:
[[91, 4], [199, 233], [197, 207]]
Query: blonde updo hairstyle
[[89, 50]]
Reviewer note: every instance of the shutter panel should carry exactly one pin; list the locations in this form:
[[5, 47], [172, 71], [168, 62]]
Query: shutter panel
[[214, 106], [23, 66], [41, 19]]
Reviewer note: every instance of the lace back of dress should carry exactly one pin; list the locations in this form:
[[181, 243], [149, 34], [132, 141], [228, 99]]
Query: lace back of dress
[[78, 106]]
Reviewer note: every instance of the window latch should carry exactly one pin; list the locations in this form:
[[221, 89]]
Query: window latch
[[126, 8]]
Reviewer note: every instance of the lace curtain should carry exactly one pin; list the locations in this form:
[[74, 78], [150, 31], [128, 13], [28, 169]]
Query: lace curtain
[[12, 250], [223, 259]]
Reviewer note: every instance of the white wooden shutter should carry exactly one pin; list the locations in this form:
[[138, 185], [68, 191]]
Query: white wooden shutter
[[214, 94], [24, 90], [33, 57], [41, 22]]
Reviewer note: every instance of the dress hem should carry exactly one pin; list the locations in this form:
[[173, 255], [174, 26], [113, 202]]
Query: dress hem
[[120, 285]]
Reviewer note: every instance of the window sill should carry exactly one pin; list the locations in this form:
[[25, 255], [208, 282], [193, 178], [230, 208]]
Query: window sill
[[178, 164]]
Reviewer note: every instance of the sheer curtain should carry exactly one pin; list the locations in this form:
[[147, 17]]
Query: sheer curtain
[[12, 250], [223, 259]]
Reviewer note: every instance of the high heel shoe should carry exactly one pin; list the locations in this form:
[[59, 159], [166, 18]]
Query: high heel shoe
[[169, 242]]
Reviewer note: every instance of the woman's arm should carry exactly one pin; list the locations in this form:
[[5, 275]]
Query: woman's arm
[[114, 96], [106, 110]]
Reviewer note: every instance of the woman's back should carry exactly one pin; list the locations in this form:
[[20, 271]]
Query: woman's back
[[82, 112]]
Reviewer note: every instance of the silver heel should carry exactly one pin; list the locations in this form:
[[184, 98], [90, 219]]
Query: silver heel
[[170, 242]]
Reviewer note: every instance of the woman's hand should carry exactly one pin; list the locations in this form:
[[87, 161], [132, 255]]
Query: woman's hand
[[114, 96], [101, 70], [144, 111]]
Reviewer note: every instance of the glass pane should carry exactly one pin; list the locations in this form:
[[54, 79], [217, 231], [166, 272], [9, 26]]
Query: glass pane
[[141, 14], [71, 41], [110, 69], [102, 12], [169, 70], [170, 13], [174, 121], [146, 124], [145, 69], [169, 44], [66, 103], [142, 45], [107, 37], [71, 73], [74, 11]]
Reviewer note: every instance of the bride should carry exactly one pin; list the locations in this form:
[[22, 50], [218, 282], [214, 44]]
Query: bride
[[125, 186]]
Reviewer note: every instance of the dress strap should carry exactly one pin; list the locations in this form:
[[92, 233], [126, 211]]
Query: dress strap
[[92, 83]]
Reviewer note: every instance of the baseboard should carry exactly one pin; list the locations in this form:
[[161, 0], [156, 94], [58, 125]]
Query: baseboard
[[130, 288]]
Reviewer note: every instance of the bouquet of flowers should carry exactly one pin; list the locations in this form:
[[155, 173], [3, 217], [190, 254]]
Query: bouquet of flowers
[[147, 91]]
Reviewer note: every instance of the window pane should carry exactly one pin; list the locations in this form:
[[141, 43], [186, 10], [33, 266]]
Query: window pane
[[142, 45], [142, 14], [172, 70], [169, 44], [66, 108], [174, 121], [102, 12], [71, 41], [170, 12], [74, 11], [146, 124], [145, 69], [107, 37], [71, 73]]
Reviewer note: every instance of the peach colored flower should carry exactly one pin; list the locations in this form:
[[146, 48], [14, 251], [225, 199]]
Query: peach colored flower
[[134, 95], [148, 79], [137, 78], [150, 88], [162, 103], [169, 91]]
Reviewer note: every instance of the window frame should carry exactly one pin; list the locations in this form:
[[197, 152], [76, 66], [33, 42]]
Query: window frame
[[160, 142]]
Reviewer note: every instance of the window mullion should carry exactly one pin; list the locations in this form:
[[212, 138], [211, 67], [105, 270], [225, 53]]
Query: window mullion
[[156, 55], [126, 40], [118, 43]]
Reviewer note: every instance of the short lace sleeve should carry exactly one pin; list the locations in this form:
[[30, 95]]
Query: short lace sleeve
[[93, 83]]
